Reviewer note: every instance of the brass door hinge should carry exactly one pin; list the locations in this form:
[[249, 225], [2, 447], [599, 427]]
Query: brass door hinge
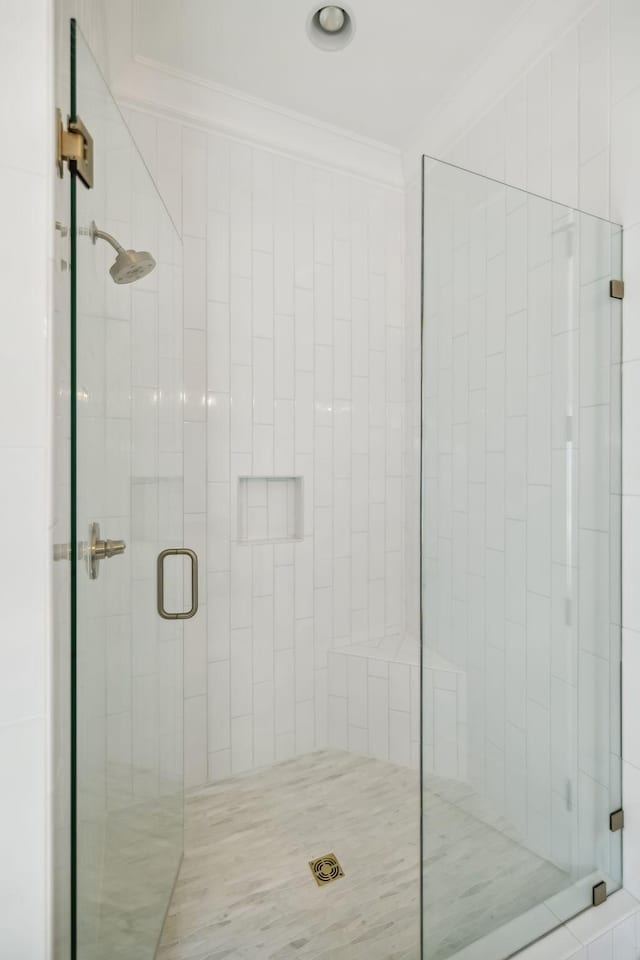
[[75, 146], [616, 289]]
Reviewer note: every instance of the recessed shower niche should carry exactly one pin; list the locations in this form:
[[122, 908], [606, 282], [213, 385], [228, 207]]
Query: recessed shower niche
[[270, 509]]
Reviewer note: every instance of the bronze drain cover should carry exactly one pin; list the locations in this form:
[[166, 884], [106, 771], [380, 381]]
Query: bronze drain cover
[[326, 869]]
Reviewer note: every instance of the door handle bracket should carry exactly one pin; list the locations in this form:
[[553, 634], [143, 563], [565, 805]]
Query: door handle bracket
[[97, 549]]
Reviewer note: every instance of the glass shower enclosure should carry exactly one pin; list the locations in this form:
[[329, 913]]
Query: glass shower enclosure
[[127, 508], [519, 671], [520, 564]]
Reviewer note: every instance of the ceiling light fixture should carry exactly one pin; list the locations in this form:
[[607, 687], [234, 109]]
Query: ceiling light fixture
[[332, 19], [330, 27]]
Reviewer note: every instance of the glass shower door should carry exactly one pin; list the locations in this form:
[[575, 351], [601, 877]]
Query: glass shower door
[[520, 564], [127, 465]]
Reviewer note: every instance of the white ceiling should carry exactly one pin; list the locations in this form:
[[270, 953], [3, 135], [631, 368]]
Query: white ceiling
[[406, 56]]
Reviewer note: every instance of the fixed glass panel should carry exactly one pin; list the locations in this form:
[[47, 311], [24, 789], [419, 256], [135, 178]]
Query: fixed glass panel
[[127, 437], [520, 563]]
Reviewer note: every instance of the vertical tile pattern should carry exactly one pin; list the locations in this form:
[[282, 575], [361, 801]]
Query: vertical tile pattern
[[304, 335], [521, 501], [205, 257], [375, 708], [590, 80]]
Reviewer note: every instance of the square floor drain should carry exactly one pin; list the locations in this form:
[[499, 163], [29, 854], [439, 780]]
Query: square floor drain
[[326, 869]]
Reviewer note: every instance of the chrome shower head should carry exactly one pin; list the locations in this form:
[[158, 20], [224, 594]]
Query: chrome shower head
[[130, 265]]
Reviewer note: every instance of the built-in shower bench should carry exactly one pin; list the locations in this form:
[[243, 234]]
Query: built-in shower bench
[[374, 705]]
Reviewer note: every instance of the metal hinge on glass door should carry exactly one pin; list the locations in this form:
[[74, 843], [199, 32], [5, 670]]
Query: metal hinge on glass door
[[616, 820], [599, 894], [599, 890], [75, 147]]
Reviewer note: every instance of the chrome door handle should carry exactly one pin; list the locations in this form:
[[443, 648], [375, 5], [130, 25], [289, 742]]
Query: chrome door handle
[[97, 550], [193, 609]]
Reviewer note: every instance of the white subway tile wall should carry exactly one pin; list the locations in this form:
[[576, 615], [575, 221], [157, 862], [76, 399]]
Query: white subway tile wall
[[554, 132], [374, 706], [300, 261], [507, 601], [529, 138], [294, 436]]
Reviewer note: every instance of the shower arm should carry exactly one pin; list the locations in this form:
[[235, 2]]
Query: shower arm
[[96, 234]]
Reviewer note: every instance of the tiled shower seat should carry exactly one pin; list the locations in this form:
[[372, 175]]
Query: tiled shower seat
[[374, 705]]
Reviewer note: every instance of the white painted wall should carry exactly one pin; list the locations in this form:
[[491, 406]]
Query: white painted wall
[[25, 701]]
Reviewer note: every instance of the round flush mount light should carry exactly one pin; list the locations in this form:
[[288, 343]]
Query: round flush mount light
[[330, 27], [332, 19]]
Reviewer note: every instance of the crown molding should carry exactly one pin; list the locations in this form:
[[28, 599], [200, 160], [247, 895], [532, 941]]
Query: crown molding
[[157, 88], [526, 38]]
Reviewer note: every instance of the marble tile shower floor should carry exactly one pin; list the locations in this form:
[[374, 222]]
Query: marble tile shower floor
[[245, 891]]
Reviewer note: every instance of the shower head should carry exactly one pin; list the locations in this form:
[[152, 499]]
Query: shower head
[[130, 265]]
